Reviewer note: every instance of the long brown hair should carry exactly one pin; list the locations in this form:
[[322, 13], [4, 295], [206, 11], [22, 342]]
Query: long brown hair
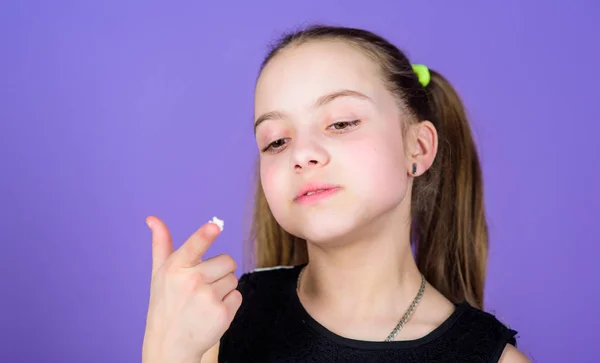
[[449, 227]]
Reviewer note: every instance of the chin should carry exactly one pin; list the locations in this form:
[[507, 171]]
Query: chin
[[328, 230]]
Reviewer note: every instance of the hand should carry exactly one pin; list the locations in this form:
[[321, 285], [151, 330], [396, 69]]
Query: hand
[[192, 302]]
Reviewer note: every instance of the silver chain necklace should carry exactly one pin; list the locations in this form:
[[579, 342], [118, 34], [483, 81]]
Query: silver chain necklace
[[406, 315]]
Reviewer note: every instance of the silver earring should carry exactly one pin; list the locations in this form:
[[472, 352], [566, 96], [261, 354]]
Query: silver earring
[[414, 171]]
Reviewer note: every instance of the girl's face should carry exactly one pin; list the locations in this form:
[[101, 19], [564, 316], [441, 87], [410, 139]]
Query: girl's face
[[324, 120]]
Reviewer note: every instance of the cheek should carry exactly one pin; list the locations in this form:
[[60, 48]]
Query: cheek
[[273, 181], [380, 168]]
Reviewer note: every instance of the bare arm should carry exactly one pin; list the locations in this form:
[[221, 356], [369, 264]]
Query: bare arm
[[510, 355], [212, 355]]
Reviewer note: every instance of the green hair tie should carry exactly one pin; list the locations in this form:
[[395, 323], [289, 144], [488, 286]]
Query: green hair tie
[[422, 73]]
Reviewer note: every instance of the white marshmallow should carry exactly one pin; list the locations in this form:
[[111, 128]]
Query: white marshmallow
[[218, 222]]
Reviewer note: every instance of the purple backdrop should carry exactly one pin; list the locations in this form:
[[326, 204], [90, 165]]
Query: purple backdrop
[[114, 110]]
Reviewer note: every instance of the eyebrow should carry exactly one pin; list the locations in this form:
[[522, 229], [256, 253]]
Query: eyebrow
[[321, 101]]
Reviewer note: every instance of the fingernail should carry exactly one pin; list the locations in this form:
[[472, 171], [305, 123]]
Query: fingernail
[[149, 224], [218, 222]]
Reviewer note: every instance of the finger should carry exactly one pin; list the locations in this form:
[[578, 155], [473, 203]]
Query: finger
[[233, 301], [162, 244], [215, 268], [225, 285], [191, 252]]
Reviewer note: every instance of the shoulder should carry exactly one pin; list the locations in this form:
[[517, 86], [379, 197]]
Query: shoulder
[[487, 323], [265, 294], [487, 333], [266, 291], [266, 280]]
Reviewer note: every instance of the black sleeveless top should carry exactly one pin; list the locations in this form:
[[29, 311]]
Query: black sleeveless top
[[272, 326]]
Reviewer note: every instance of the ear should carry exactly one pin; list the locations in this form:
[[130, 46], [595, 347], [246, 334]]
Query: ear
[[422, 148]]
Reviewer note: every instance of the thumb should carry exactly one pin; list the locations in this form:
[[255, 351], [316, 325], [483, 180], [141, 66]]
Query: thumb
[[162, 244]]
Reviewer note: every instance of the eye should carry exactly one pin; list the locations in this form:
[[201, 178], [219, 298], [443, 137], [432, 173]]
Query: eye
[[276, 145], [344, 125]]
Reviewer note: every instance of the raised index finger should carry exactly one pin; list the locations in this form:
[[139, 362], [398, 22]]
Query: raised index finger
[[191, 252], [162, 245]]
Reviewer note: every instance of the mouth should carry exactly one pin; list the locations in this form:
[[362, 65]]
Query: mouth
[[314, 194]]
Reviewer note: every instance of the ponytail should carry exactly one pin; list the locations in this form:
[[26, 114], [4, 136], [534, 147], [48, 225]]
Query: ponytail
[[448, 210]]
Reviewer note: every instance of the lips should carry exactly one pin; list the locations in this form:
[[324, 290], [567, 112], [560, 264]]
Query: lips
[[314, 192]]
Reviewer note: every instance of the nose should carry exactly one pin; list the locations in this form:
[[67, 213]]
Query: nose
[[307, 154]]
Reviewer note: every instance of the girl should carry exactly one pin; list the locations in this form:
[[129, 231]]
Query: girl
[[362, 156]]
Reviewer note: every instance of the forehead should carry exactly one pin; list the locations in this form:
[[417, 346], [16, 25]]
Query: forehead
[[296, 77]]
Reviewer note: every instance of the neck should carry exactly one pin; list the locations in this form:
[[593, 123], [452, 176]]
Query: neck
[[363, 275]]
